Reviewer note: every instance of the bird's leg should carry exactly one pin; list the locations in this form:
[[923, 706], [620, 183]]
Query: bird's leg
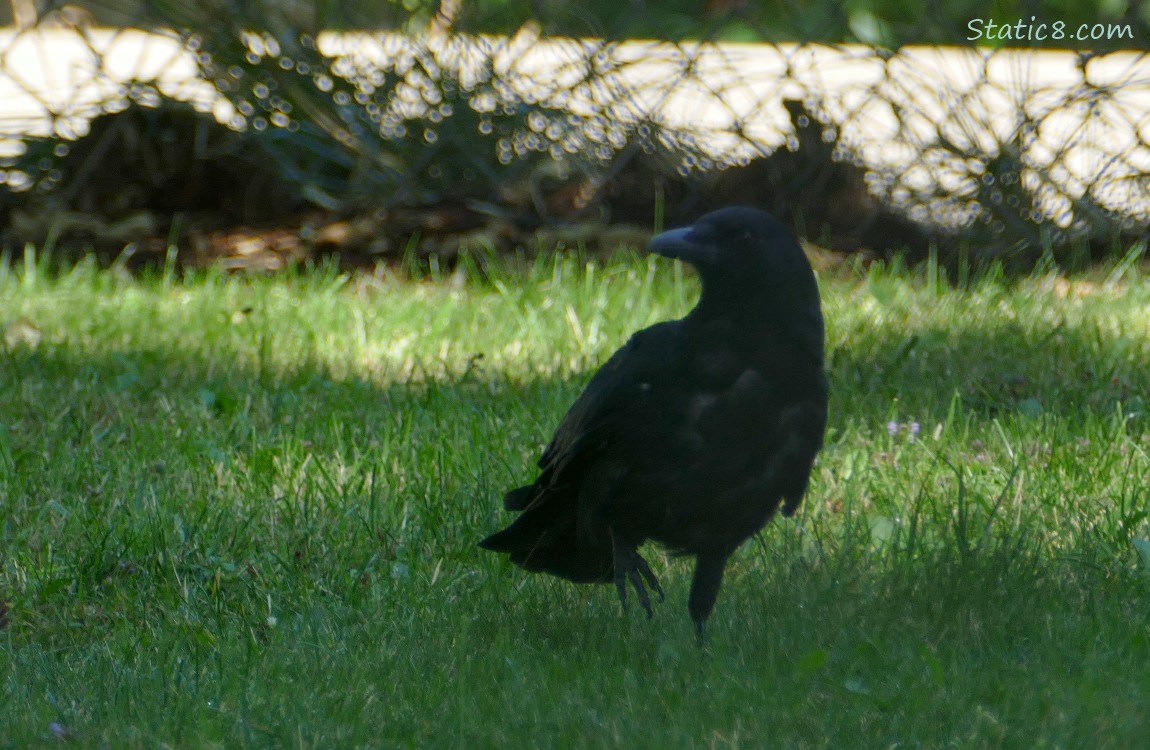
[[705, 589], [630, 566]]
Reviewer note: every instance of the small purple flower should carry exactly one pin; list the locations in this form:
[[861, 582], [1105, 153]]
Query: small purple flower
[[912, 429]]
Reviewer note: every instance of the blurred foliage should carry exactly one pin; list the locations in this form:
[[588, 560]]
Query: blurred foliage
[[411, 125], [889, 23]]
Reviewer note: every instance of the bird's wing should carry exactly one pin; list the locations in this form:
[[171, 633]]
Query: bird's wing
[[614, 399]]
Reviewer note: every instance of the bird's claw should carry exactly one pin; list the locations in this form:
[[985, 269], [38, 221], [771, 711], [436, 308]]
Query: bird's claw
[[630, 566]]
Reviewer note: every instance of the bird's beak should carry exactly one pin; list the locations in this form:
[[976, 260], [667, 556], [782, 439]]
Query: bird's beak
[[684, 244]]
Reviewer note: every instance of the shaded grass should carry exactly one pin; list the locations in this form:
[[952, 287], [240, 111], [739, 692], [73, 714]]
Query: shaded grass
[[243, 512]]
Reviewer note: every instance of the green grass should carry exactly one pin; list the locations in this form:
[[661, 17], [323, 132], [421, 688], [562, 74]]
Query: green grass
[[243, 512]]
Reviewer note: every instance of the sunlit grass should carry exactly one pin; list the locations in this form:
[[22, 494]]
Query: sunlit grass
[[242, 511]]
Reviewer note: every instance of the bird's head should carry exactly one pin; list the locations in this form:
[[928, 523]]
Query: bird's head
[[753, 270], [734, 244]]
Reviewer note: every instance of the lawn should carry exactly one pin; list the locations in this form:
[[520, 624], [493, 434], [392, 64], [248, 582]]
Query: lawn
[[242, 511]]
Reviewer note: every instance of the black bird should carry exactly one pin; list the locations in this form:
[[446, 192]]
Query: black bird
[[695, 432]]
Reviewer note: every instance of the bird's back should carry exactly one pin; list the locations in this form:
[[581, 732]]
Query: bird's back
[[672, 440], [728, 432]]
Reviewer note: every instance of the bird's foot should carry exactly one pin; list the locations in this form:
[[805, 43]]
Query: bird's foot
[[704, 590], [630, 566]]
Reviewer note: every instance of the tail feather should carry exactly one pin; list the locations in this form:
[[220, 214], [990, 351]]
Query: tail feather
[[545, 538], [518, 499]]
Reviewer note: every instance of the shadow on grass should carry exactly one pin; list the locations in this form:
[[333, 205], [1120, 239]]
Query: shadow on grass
[[303, 544], [484, 428], [424, 464]]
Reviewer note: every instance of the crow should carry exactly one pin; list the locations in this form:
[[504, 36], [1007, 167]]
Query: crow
[[695, 432]]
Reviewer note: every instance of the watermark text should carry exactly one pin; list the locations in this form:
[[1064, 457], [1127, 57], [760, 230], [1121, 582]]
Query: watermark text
[[1033, 30]]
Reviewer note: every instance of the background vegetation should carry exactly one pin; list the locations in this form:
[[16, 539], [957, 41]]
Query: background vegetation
[[341, 151], [886, 22]]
